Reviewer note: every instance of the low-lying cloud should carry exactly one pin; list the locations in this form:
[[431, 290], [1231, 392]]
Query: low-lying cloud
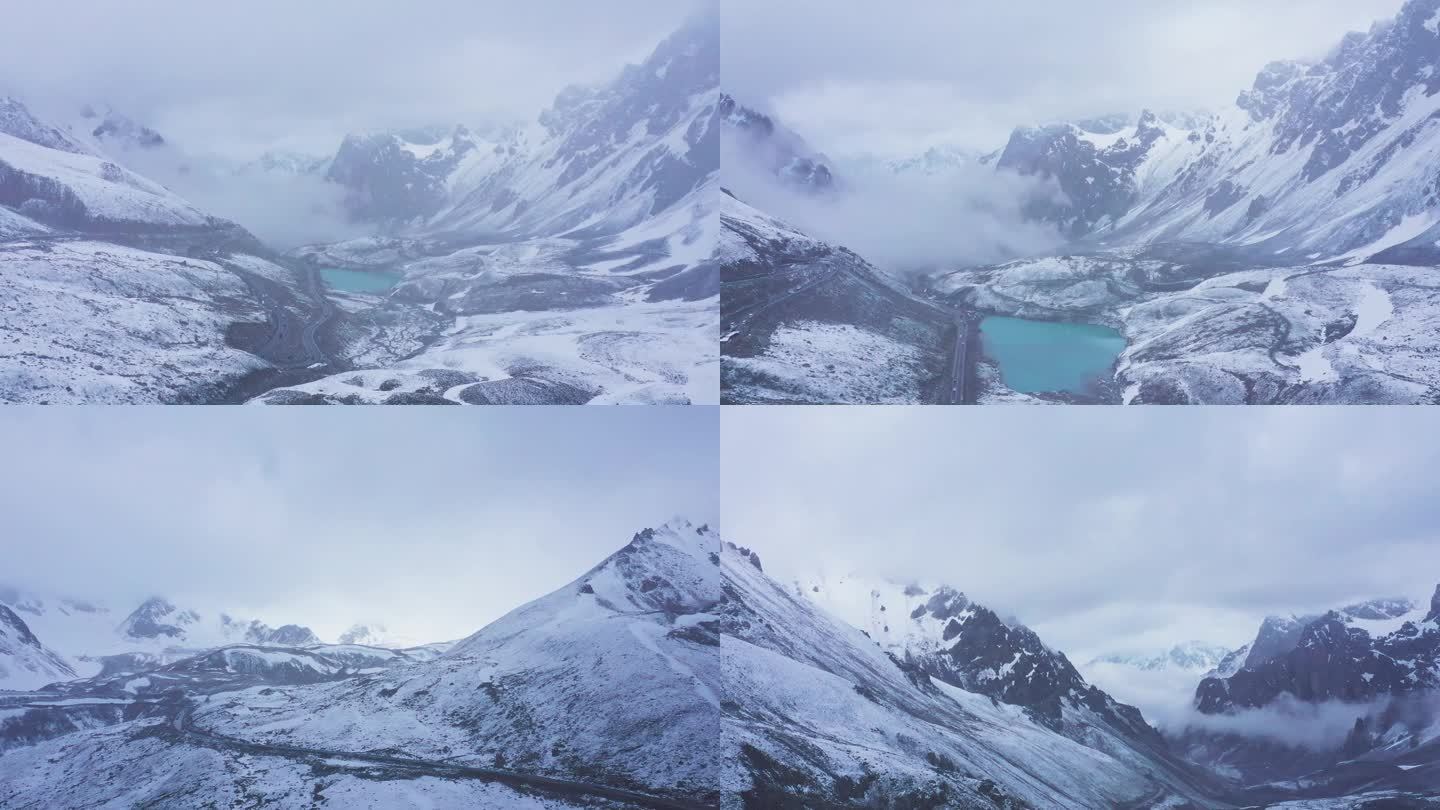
[[907, 223], [1317, 726], [284, 210]]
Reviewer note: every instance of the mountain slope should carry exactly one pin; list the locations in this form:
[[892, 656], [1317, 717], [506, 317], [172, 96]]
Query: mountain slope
[[1373, 667], [807, 322], [1315, 160], [117, 290], [609, 682], [569, 262], [817, 714], [1276, 252], [523, 693], [26, 663]]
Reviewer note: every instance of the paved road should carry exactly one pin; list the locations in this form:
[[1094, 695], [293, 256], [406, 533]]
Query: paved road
[[324, 311], [564, 787], [958, 387]]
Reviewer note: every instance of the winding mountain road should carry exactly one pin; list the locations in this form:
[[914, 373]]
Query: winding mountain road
[[182, 726]]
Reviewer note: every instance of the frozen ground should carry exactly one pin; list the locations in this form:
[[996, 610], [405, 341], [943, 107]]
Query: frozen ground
[[100, 323]]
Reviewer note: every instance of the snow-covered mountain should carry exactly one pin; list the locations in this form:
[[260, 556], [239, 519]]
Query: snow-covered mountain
[[1275, 252], [604, 693], [25, 663], [939, 161], [1319, 160], [115, 289], [1192, 656], [1161, 683], [820, 713], [1328, 705], [565, 262], [89, 639], [396, 182], [808, 322], [1351, 654]]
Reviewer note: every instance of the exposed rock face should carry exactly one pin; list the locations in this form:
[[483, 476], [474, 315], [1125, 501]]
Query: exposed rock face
[[848, 693], [1097, 175], [1378, 661], [389, 180]]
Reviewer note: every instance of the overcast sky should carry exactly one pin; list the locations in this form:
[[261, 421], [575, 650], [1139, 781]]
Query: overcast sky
[[1104, 529], [900, 76], [243, 77], [432, 526]]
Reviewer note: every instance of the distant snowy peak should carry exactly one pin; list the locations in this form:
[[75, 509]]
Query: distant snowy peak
[[286, 164], [937, 161], [607, 158], [1193, 656], [392, 179], [158, 618]]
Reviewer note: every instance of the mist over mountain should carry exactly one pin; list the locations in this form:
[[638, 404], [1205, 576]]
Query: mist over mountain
[[1272, 251], [559, 256]]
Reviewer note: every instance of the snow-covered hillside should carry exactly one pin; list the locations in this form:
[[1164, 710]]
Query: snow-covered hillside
[[116, 290], [605, 689], [819, 713], [808, 322], [26, 663], [567, 261], [1317, 160]]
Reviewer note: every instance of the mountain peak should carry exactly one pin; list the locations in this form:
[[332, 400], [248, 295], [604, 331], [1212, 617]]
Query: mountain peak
[[157, 617]]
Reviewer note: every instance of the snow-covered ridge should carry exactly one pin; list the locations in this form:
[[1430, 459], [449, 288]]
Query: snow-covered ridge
[[1320, 160], [798, 678]]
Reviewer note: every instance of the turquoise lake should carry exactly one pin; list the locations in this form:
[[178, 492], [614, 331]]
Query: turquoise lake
[[356, 281], [1039, 356]]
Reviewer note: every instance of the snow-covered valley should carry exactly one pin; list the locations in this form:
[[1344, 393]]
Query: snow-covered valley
[[569, 261], [1278, 251]]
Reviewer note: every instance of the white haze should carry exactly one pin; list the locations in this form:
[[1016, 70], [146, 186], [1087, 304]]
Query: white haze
[[904, 223], [283, 210], [1316, 726]]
